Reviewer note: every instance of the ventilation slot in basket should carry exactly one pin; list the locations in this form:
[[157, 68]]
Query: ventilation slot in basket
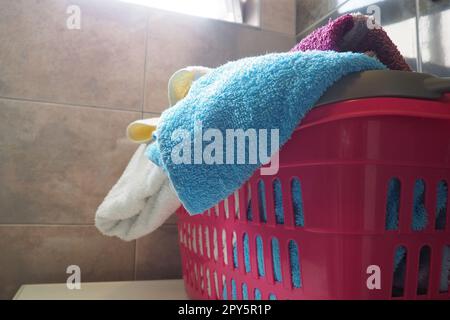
[[237, 209], [272, 296], [262, 201], [233, 290], [393, 204], [257, 294], [215, 245], [195, 274], [185, 237], [207, 244], [194, 240], [224, 288], [249, 201], [419, 219], [202, 279], [189, 238], [297, 202], [278, 201], [441, 205], [294, 261], [276, 260], [424, 270], [216, 210], [246, 244], [235, 251], [208, 282], [200, 240], [244, 292], [224, 247], [226, 205], [445, 270], [260, 256], [400, 262], [216, 284]]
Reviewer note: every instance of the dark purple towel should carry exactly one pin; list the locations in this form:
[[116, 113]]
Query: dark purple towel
[[350, 33]]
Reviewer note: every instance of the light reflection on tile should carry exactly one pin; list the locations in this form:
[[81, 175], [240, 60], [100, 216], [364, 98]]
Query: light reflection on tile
[[435, 37]]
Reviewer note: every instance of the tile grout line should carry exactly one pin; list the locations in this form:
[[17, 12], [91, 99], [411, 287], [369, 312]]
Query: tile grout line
[[63, 104], [144, 77], [45, 225]]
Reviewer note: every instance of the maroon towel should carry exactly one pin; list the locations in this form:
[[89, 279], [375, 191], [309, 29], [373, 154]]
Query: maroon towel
[[350, 33]]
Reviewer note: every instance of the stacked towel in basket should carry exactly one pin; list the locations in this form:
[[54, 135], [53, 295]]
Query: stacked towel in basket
[[135, 199], [356, 33], [273, 91]]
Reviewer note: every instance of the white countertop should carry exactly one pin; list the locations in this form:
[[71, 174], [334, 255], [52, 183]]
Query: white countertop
[[127, 290]]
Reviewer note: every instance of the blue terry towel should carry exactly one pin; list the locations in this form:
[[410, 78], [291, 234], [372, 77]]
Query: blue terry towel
[[273, 91]]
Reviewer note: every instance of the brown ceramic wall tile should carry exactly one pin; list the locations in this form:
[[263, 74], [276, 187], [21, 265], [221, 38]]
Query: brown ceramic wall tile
[[101, 64], [278, 15], [176, 41], [57, 163], [41, 254], [310, 11], [157, 255], [172, 220], [252, 42]]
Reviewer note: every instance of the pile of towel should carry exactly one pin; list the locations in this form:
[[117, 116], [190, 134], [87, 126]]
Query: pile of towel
[[356, 33], [139, 202], [129, 202], [274, 91], [229, 97]]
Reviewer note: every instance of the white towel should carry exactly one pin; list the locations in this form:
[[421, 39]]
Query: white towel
[[139, 203]]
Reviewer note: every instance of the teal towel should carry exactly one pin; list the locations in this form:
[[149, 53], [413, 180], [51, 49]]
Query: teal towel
[[273, 91]]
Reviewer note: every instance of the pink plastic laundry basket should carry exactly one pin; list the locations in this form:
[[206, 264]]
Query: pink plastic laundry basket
[[344, 154]]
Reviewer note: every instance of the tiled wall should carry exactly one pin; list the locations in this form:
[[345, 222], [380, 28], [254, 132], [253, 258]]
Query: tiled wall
[[425, 42], [66, 97]]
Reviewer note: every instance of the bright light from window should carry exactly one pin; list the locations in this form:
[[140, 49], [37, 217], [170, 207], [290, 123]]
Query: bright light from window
[[228, 10], [352, 5]]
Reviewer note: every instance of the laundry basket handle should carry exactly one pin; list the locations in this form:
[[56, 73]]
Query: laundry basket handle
[[438, 85]]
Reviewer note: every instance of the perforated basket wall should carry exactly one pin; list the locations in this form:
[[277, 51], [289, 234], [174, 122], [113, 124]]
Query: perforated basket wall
[[318, 228]]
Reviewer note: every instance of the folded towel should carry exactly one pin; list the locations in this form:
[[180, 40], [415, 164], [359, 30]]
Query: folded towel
[[181, 81], [141, 131], [140, 202], [350, 32], [273, 91], [143, 198]]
